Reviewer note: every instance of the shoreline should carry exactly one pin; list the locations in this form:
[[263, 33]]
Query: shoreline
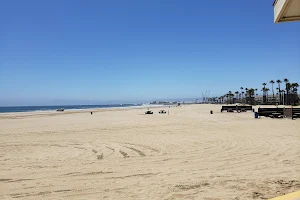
[[74, 111], [99, 109]]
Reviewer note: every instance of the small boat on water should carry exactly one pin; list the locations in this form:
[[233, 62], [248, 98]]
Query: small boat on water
[[60, 109]]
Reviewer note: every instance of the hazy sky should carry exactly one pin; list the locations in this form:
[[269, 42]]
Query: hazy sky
[[95, 51]]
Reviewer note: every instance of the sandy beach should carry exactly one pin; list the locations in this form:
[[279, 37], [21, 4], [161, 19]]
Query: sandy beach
[[124, 154]]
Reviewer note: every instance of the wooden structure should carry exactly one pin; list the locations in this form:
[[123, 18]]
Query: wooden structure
[[269, 112], [288, 113], [279, 112], [236, 108]]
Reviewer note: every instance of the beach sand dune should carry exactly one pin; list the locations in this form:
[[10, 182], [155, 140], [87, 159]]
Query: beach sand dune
[[124, 154]]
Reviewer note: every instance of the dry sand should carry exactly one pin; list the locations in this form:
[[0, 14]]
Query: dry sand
[[124, 154]]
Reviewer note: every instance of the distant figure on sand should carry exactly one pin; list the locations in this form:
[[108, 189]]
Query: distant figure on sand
[[91, 113]]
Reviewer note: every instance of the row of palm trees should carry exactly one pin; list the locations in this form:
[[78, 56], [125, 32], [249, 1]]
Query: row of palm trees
[[248, 95], [242, 97], [290, 88]]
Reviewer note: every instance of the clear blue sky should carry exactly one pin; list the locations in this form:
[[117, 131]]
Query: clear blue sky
[[94, 51]]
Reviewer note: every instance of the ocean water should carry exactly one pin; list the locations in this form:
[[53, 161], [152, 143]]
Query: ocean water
[[66, 107]]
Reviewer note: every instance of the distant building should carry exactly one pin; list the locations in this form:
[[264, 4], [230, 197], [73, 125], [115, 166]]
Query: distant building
[[286, 10], [162, 103]]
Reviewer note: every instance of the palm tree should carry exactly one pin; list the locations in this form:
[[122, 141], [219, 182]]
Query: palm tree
[[279, 81], [289, 87], [264, 92], [256, 93], [226, 98], [251, 93], [237, 94], [246, 94], [282, 95], [286, 88], [267, 90], [293, 90], [294, 87], [242, 93], [277, 94], [272, 82], [230, 95]]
